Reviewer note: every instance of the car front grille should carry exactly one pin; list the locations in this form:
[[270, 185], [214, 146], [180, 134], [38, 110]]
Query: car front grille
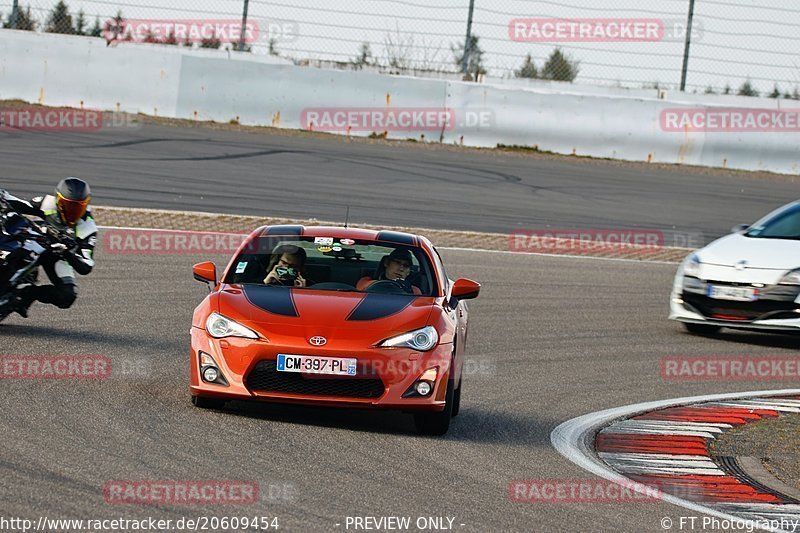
[[265, 378], [741, 311]]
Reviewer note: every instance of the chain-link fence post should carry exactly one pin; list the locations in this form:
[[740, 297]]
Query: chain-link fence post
[[14, 12], [686, 47], [244, 25], [468, 42]]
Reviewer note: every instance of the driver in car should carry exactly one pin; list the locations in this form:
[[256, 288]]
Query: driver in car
[[393, 267], [286, 266]]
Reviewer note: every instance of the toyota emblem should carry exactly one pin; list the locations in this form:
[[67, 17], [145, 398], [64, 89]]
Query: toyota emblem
[[317, 340]]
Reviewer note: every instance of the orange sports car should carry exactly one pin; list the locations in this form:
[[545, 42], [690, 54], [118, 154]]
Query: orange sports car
[[333, 316]]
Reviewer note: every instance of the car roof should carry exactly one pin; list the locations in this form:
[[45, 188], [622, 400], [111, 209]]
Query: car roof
[[387, 236]]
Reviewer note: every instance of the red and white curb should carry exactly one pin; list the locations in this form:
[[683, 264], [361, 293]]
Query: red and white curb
[[664, 444]]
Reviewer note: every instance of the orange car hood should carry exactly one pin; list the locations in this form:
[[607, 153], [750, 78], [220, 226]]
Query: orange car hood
[[306, 311]]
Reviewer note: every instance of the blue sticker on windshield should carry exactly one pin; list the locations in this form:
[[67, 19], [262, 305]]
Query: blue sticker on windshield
[[240, 268]]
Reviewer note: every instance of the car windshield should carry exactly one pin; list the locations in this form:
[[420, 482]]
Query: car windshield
[[334, 264], [783, 225]]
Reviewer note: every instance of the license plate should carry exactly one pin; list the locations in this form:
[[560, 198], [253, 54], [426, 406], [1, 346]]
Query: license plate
[[737, 294], [308, 364]]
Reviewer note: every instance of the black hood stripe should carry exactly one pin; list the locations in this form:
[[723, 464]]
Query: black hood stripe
[[275, 300], [375, 306]]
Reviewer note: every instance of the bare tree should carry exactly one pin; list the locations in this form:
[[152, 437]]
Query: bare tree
[[399, 49], [431, 59]]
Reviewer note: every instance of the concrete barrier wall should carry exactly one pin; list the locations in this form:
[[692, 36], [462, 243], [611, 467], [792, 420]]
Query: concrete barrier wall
[[257, 90]]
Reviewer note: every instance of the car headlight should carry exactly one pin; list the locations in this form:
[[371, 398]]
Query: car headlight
[[691, 266], [220, 327], [791, 278], [421, 340]]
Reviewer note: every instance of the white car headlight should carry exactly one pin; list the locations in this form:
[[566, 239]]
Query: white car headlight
[[791, 278], [421, 340], [691, 266], [220, 327]]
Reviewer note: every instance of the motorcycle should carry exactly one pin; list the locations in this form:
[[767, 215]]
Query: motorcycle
[[23, 245]]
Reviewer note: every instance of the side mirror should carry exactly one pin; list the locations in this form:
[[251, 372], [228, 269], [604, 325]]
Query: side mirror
[[205, 272], [465, 289], [738, 228]]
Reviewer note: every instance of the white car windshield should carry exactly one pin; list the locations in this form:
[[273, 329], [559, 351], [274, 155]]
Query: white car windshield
[[783, 225]]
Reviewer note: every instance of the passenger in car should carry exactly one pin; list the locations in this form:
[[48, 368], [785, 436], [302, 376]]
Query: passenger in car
[[286, 266], [395, 266]]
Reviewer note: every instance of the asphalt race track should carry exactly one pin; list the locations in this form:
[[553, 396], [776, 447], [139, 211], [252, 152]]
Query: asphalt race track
[[551, 337], [201, 169]]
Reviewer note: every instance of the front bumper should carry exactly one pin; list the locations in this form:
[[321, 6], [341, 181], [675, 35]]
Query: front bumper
[[383, 375], [777, 307]]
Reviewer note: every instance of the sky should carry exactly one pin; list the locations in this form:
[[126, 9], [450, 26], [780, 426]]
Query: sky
[[734, 39]]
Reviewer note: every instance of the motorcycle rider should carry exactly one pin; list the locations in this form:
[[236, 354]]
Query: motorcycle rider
[[67, 212]]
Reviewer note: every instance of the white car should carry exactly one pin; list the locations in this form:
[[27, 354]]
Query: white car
[[749, 279]]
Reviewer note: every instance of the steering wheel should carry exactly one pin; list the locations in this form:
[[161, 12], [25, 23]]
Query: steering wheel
[[390, 286]]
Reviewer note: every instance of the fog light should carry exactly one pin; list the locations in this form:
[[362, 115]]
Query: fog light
[[423, 388], [210, 374]]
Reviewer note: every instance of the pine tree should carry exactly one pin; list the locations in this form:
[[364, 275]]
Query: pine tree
[[60, 21], [171, 40], [727, 89], [560, 67], [151, 38], [97, 30], [710, 90], [747, 89], [80, 23], [24, 20], [115, 28], [212, 43], [528, 69], [475, 59], [776, 93]]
